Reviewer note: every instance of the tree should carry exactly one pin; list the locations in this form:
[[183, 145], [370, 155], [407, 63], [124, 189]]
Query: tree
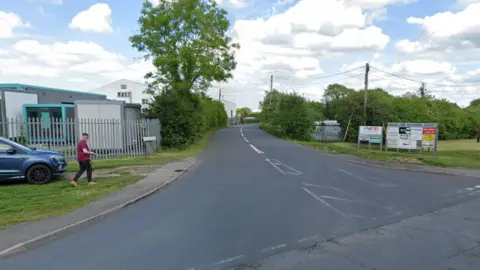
[[187, 42], [245, 111]]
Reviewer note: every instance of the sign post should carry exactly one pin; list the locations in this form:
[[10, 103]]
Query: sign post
[[370, 134], [412, 136]]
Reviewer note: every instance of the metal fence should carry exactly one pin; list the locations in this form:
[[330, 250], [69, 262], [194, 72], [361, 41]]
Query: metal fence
[[328, 131], [109, 138]]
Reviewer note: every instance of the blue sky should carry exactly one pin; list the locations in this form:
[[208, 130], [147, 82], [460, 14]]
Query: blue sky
[[257, 59]]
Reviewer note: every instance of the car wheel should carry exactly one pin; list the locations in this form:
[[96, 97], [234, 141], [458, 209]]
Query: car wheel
[[39, 174]]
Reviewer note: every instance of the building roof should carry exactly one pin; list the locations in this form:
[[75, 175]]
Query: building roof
[[123, 81], [19, 86]]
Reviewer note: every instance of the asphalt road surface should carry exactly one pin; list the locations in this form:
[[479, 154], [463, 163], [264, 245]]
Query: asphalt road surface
[[248, 197]]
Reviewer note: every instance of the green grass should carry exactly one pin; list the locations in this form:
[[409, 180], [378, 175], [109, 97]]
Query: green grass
[[23, 202], [457, 153]]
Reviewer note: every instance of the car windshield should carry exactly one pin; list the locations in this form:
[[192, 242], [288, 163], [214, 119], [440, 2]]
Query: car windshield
[[19, 146]]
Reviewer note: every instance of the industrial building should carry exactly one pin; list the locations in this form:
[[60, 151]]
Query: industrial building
[[14, 96], [125, 90]]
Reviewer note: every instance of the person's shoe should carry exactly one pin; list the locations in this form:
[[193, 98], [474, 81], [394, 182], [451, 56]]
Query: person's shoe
[[92, 183], [74, 183]]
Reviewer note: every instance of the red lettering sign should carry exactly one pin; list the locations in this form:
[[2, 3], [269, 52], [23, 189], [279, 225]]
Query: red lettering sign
[[429, 130]]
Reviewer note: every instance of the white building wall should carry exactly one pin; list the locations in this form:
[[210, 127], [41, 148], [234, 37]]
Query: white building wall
[[136, 90], [230, 109]]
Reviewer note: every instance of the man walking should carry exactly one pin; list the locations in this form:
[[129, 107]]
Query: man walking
[[83, 158]]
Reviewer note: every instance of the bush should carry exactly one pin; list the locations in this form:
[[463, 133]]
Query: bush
[[185, 117]]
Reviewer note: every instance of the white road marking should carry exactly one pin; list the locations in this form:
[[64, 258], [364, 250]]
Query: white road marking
[[290, 168], [275, 166], [337, 198], [246, 140], [470, 188], [227, 260], [477, 186], [318, 186], [256, 149], [356, 176], [324, 202], [308, 238], [273, 248]]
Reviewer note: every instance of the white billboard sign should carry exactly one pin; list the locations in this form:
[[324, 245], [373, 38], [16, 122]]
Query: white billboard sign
[[406, 135], [372, 134]]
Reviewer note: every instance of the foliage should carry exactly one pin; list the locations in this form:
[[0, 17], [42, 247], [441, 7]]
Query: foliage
[[245, 111], [344, 103], [187, 42], [185, 118], [347, 105], [287, 115]]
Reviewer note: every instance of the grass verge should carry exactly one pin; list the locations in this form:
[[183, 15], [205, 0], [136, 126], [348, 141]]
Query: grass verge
[[20, 202], [457, 153]]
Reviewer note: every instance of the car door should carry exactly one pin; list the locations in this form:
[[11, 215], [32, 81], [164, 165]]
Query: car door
[[11, 162]]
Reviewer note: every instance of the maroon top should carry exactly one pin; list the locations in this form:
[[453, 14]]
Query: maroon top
[[81, 156]]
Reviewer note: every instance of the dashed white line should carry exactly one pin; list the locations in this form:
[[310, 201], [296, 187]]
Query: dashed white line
[[470, 188], [246, 140], [228, 260], [324, 202], [273, 248], [275, 166], [277, 162], [260, 152], [477, 186]]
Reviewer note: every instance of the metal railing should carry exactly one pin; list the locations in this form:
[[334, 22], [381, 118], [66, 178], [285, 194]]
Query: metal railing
[[109, 138]]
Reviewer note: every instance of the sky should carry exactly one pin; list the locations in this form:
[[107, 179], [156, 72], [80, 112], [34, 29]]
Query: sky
[[81, 45]]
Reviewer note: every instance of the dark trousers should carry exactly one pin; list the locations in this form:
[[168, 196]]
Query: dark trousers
[[85, 165]]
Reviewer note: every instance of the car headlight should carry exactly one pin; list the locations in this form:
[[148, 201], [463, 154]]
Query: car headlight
[[56, 158]]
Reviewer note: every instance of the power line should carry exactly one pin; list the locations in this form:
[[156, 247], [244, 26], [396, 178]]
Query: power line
[[419, 81], [306, 83], [325, 76]]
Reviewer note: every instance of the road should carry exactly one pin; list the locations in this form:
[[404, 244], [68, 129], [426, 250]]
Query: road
[[248, 197]]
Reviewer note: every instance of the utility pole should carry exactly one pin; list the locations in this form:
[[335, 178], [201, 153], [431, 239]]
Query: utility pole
[[270, 96], [220, 94], [271, 83], [367, 69]]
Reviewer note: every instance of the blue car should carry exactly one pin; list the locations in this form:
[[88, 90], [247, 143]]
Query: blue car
[[36, 166]]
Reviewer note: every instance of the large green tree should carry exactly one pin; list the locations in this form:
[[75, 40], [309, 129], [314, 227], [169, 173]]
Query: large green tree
[[187, 42], [244, 111]]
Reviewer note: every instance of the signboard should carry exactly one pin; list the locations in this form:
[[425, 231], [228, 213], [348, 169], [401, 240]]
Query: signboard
[[371, 134], [411, 136], [428, 137]]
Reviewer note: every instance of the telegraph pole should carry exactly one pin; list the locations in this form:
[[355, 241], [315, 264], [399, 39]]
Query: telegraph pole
[[365, 98], [271, 83], [220, 94]]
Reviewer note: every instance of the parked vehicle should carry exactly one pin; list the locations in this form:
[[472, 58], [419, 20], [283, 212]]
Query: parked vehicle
[[36, 166]]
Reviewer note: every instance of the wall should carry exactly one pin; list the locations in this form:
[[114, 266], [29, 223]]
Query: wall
[[230, 108], [111, 90]]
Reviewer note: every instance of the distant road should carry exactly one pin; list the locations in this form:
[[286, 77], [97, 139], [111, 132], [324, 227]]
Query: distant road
[[248, 197]]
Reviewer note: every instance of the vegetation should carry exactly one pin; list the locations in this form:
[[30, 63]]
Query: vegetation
[[188, 44], [343, 104], [291, 116], [245, 111]]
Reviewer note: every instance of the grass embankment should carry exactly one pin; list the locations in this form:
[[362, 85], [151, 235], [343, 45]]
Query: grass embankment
[[20, 202], [456, 153]]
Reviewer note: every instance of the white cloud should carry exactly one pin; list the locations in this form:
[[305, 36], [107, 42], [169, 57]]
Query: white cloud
[[237, 3], [8, 22], [69, 60], [97, 18]]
